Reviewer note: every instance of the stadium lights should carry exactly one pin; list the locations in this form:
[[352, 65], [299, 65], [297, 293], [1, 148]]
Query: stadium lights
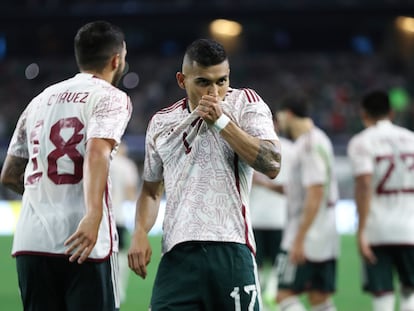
[[225, 28], [405, 23], [226, 32]]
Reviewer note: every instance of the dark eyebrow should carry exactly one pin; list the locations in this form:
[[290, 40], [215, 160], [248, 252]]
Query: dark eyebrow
[[202, 79]]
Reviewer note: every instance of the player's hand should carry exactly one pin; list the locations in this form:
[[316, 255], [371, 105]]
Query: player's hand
[[139, 254], [365, 249], [81, 243], [209, 108], [297, 252]]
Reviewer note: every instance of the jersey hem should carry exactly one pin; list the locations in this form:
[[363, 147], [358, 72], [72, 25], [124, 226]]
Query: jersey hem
[[46, 254]]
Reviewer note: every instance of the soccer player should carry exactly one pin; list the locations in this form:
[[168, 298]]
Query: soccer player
[[268, 214], [382, 158], [202, 150], [310, 243], [125, 181], [65, 241]]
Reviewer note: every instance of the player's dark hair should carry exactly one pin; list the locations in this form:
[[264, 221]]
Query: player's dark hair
[[96, 43], [298, 104], [206, 52], [376, 104]]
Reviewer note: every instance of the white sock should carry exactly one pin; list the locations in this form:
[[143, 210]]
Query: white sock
[[291, 304], [407, 300], [328, 305], [271, 284], [383, 303]]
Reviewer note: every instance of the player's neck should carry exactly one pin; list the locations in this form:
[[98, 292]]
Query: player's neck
[[100, 75], [373, 122]]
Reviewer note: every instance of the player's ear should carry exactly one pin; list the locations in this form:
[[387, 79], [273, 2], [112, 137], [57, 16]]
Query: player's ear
[[180, 79], [115, 61], [391, 115]]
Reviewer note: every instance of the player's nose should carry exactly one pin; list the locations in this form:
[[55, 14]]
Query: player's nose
[[213, 90]]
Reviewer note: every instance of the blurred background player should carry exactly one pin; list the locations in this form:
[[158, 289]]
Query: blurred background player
[[310, 244], [125, 184], [382, 158], [268, 213]]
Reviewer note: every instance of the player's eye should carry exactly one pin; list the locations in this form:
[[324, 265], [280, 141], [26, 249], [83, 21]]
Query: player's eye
[[203, 82], [222, 81]]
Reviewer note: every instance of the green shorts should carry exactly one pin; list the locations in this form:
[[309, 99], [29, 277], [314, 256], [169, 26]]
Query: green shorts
[[319, 276], [378, 278], [53, 283], [207, 276], [267, 245]]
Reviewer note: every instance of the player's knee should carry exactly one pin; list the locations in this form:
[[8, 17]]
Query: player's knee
[[327, 305], [318, 298], [407, 299], [384, 302], [291, 303], [284, 294]]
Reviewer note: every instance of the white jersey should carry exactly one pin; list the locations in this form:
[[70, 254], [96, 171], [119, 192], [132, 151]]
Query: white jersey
[[52, 133], [207, 185], [312, 163], [386, 151], [124, 174], [268, 207]]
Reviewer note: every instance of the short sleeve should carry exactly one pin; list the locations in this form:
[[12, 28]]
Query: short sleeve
[[315, 165], [256, 118], [359, 155], [153, 166], [18, 143], [110, 115]]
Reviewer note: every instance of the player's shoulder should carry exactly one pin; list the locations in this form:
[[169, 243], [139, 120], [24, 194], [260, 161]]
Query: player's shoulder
[[358, 142], [403, 130], [318, 135], [168, 114], [285, 142], [249, 95], [177, 106]]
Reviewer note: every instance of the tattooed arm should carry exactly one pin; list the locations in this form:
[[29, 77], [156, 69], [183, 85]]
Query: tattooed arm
[[12, 174], [262, 155]]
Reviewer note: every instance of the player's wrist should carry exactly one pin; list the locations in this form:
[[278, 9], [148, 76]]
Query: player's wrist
[[221, 122]]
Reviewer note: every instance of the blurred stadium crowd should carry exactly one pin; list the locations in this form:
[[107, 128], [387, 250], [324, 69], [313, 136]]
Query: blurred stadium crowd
[[335, 83], [334, 51]]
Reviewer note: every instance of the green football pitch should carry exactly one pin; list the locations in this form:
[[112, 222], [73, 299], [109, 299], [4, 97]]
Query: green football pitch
[[347, 298]]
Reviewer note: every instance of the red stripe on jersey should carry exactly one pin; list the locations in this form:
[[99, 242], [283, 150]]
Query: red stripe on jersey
[[179, 104], [246, 227], [251, 95], [246, 231]]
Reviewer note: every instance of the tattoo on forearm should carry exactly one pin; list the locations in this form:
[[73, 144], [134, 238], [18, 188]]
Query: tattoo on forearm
[[16, 172], [268, 158]]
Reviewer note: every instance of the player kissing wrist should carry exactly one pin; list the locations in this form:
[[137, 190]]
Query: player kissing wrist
[[221, 122]]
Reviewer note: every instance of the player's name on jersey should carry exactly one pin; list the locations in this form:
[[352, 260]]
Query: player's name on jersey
[[68, 97]]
